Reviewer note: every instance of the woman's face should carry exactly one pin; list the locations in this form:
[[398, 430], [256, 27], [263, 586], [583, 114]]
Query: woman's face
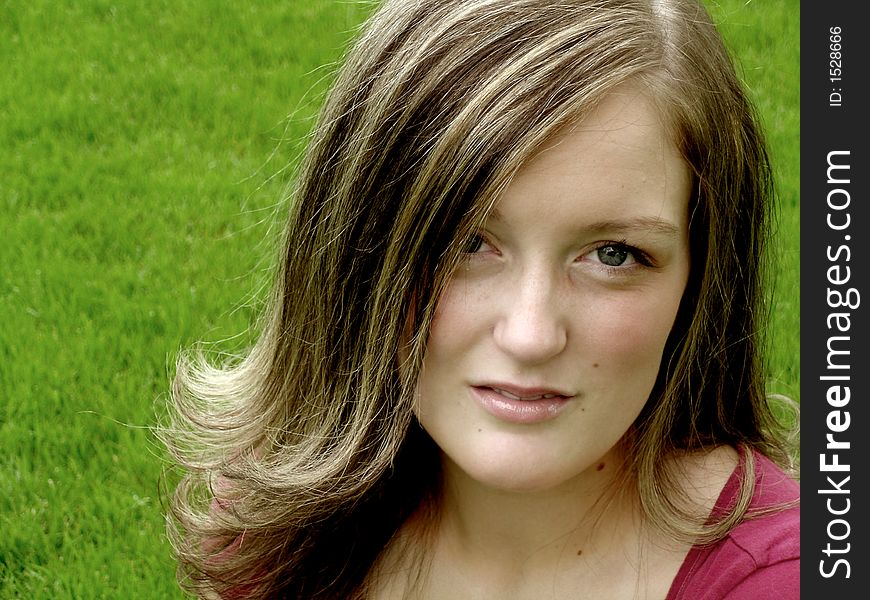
[[548, 340]]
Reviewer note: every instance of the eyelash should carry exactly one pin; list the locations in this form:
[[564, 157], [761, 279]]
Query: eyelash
[[474, 243], [640, 257]]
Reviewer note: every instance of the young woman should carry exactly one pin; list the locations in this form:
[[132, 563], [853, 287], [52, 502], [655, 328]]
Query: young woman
[[513, 346]]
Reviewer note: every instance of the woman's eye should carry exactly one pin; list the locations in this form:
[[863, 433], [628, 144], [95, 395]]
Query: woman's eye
[[614, 255], [474, 244]]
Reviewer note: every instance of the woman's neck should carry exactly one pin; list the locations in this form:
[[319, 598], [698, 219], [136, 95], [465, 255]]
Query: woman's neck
[[586, 534], [495, 543], [509, 526]]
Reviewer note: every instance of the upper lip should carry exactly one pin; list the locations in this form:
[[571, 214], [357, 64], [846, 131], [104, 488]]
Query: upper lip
[[523, 392]]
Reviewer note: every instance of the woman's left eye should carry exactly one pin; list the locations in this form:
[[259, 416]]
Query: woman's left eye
[[615, 254]]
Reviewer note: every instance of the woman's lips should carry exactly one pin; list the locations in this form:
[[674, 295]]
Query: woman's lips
[[520, 405], [527, 396]]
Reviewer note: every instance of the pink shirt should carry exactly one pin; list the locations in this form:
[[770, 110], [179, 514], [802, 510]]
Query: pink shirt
[[760, 558]]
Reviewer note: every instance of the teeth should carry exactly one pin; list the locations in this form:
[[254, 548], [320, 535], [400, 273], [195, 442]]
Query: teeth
[[507, 394]]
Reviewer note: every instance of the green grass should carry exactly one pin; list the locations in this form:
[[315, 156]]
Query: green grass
[[142, 148]]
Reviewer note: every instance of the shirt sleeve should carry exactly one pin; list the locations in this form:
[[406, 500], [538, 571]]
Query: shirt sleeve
[[780, 580]]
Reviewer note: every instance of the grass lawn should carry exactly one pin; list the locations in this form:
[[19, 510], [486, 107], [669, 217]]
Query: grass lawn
[[142, 155]]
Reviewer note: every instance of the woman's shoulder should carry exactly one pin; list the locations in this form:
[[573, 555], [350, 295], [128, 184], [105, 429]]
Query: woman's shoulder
[[760, 557]]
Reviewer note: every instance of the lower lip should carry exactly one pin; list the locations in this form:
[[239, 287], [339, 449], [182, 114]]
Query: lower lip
[[519, 411]]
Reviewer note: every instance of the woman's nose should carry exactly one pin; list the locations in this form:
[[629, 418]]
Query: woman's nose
[[531, 328]]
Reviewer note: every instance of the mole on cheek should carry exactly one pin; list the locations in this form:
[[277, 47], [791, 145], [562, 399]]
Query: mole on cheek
[[599, 467], [594, 365]]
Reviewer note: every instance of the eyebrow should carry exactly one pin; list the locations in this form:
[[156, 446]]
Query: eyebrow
[[646, 224], [634, 224]]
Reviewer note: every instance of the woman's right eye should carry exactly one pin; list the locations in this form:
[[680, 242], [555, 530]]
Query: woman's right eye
[[475, 244]]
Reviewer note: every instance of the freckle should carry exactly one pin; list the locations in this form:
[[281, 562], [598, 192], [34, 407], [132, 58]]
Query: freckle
[[479, 430], [579, 552], [582, 409], [595, 365], [599, 467]]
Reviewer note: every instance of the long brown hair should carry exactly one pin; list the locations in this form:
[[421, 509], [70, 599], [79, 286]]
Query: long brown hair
[[309, 443]]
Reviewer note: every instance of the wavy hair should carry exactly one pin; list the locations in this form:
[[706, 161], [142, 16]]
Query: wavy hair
[[303, 459]]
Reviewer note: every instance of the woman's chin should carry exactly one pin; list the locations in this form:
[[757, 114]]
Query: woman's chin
[[517, 474]]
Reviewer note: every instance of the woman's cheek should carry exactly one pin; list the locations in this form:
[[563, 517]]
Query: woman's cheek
[[460, 309], [632, 326]]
